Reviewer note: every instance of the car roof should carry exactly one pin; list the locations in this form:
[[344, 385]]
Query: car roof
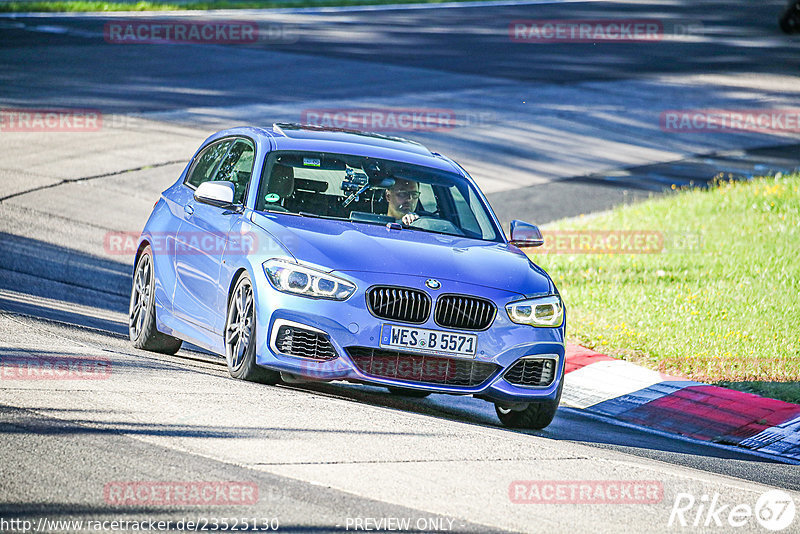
[[301, 137]]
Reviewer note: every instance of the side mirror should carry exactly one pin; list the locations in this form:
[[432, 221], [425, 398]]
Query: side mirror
[[525, 235], [215, 193]]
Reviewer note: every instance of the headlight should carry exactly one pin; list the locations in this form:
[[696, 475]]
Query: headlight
[[293, 278], [543, 311]]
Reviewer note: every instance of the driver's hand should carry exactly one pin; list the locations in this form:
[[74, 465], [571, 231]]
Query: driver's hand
[[409, 218]]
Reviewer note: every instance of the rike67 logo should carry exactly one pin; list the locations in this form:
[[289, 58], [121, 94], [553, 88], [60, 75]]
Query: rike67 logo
[[774, 510]]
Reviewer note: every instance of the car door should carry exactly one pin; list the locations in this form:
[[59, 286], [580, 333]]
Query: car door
[[203, 234]]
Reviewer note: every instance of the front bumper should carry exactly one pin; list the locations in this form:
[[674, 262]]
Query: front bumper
[[348, 324]]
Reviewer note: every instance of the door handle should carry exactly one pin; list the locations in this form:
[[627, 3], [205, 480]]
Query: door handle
[[188, 209]]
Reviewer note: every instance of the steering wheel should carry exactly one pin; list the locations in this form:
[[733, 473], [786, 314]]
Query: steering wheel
[[419, 219], [436, 224]]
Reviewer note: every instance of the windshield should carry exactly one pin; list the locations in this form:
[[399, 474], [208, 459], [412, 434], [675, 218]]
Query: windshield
[[373, 191]]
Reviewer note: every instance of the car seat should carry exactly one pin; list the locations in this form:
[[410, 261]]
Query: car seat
[[281, 183]]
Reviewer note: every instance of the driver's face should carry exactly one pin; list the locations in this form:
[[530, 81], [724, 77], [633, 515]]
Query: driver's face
[[403, 197]]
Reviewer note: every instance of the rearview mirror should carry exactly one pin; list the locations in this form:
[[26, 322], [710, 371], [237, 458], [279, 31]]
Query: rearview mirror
[[215, 193], [525, 235]]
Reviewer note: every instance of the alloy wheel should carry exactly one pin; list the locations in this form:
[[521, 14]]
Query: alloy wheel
[[240, 325], [140, 297]]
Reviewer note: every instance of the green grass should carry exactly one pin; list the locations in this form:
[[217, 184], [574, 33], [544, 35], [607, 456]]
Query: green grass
[[82, 5], [725, 311]]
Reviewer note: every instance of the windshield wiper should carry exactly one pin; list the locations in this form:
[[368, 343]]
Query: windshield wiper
[[305, 214], [407, 227], [366, 221], [316, 216]]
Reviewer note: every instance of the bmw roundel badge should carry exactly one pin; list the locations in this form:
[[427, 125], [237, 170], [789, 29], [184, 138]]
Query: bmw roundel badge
[[432, 283]]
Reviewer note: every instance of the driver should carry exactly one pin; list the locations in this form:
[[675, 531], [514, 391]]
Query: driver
[[403, 197]]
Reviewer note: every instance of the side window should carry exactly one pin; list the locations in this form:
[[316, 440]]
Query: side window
[[473, 220], [480, 215], [427, 200], [207, 162], [237, 168]]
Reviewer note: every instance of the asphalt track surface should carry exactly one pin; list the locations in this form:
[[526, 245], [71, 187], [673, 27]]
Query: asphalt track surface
[[323, 456]]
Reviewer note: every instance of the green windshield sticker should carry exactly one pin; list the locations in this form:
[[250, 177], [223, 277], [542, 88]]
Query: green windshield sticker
[[272, 197], [311, 162]]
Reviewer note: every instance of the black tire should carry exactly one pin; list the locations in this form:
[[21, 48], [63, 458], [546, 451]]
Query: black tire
[[240, 345], [142, 310], [408, 392], [535, 417]]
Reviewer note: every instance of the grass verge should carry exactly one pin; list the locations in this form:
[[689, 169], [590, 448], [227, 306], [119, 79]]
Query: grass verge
[[86, 6], [720, 303]]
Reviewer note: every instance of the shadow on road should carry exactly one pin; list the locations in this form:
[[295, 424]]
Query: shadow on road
[[569, 424], [62, 273]]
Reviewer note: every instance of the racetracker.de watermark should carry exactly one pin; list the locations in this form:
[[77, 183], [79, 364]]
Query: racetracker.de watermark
[[382, 119], [19, 367], [771, 121], [50, 120], [22, 120], [544, 31], [180, 493], [586, 492], [412, 368], [617, 242], [188, 243], [137, 31]]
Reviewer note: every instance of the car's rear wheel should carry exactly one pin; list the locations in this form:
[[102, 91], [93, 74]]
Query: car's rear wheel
[[536, 416], [408, 392], [240, 336], [142, 310]]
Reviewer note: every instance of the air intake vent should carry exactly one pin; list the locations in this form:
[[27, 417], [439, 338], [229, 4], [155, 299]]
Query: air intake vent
[[532, 372], [399, 304], [304, 343], [419, 368], [464, 312]]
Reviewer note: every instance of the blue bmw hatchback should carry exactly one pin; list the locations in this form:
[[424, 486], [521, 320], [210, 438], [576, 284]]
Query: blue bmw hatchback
[[303, 253]]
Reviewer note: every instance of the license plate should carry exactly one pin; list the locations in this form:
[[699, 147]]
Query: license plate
[[433, 341]]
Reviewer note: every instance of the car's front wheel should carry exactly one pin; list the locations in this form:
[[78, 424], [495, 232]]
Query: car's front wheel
[[240, 336], [536, 416], [142, 310]]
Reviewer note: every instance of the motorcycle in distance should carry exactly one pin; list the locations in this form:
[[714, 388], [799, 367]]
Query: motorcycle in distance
[[790, 19]]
